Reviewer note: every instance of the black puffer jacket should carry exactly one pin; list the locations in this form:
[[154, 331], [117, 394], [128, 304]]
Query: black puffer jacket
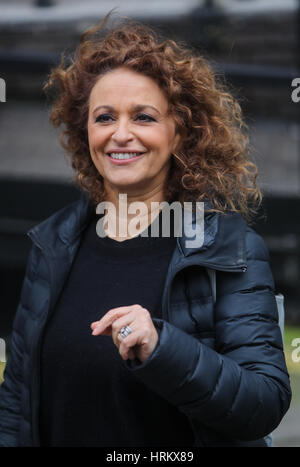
[[222, 365]]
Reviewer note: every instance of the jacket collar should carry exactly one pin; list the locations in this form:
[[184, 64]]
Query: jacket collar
[[223, 243], [61, 231]]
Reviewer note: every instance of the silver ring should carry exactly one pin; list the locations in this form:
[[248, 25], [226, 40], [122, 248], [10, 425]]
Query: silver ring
[[125, 331]]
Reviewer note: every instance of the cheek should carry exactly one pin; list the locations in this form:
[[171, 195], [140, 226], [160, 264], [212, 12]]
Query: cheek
[[165, 143], [160, 140], [91, 136], [96, 139]]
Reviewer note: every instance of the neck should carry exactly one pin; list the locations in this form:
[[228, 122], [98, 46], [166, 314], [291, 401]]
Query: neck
[[133, 213]]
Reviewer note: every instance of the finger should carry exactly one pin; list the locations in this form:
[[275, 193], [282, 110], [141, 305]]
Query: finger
[[113, 314], [132, 351], [142, 343], [106, 332], [118, 324], [119, 338], [110, 316], [104, 325], [126, 345], [114, 328]]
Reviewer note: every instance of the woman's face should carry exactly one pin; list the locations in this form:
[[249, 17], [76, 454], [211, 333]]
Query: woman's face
[[131, 135]]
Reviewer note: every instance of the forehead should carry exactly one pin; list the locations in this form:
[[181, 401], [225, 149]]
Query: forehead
[[123, 86]]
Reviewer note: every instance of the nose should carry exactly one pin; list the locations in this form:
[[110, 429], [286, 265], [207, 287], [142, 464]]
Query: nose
[[122, 133]]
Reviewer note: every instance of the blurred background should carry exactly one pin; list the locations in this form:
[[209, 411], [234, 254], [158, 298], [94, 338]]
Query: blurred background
[[255, 44]]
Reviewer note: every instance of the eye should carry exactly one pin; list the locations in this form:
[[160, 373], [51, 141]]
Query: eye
[[145, 118], [104, 118]]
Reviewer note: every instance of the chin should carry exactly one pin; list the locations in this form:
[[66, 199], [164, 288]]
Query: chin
[[126, 186]]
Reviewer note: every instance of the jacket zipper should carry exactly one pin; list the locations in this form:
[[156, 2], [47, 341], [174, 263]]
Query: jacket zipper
[[35, 397]]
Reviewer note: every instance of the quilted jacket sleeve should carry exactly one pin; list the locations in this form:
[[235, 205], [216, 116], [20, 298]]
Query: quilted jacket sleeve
[[13, 387], [241, 389]]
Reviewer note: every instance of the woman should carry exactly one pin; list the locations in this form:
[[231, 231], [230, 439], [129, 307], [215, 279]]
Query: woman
[[117, 341]]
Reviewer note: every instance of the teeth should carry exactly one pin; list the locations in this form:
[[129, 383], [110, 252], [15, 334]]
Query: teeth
[[124, 155]]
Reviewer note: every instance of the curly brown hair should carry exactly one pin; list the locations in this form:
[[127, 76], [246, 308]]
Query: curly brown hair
[[212, 160]]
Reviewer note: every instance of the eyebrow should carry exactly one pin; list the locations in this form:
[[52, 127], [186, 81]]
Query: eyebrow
[[136, 108]]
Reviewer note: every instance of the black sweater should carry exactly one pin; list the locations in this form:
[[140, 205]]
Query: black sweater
[[88, 396]]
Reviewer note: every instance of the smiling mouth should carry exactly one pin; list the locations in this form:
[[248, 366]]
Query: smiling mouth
[[121, 156]]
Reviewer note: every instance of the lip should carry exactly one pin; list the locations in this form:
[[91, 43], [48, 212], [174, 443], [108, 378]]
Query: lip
[[125, 151], [124, 161]]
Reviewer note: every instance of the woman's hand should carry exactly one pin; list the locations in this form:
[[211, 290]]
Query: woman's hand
[[141, 342]]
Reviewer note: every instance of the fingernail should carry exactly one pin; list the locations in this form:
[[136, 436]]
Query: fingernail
[[97, 330]]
